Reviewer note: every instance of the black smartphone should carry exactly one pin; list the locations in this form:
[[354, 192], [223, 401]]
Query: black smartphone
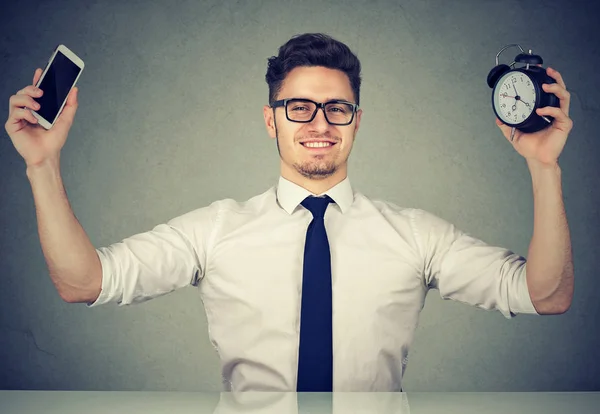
[[60, 76]]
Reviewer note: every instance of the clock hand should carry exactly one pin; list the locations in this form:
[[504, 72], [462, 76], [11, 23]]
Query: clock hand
[[528, 105]]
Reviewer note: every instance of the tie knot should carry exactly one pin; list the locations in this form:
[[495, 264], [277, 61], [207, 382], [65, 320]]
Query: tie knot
[[317, 205]]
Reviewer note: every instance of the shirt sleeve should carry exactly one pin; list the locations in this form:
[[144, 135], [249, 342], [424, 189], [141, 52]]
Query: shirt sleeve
[[170, 256], [468, 270]]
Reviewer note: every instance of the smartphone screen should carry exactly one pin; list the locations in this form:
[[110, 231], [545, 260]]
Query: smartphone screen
[[57, 83]]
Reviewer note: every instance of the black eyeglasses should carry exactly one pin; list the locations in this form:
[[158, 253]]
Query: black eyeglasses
[[304, 110]]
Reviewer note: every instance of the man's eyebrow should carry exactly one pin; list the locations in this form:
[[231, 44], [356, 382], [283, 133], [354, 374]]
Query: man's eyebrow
[[326, 99], [338, 99]]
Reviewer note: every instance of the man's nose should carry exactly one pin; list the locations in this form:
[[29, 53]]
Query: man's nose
[[319, 121]]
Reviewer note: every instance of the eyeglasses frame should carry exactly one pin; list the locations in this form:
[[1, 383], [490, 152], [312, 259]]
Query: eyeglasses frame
[[284, 102]]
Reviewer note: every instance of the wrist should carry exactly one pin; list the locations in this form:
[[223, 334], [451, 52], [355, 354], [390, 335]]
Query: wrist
[[544, 175], [535, 165], [49, 167]]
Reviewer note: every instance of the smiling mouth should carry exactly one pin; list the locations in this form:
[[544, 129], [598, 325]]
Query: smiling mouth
[[323, 145]]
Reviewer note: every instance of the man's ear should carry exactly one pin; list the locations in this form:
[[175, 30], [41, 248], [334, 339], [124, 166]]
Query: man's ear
[[269, 116], [358, 117]]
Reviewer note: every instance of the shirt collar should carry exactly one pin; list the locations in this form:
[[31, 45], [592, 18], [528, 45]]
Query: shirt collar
[[290, 195]]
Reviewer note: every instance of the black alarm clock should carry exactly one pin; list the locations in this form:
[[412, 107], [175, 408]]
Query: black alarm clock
[[517, 92]]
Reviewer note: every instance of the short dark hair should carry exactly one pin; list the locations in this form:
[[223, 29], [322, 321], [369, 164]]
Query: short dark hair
[[312, 49]]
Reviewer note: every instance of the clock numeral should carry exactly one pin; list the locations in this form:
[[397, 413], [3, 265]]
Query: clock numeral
[[508, 114], [523, 116], [528, 83], [514, 80], [503, 105]]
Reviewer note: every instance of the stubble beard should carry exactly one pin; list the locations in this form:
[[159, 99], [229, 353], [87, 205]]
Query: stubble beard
[[318, 168]]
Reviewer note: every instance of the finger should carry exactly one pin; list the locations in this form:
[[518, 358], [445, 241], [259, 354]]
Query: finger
[[561, 120], [23, 101], [17, 116], [37, 75], [554, 74], [31, 91], [506, 130], [72, 97], [73, 94], [68, 113], [561, 93]]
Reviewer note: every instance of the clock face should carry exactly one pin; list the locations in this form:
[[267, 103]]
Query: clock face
[[514, 97]]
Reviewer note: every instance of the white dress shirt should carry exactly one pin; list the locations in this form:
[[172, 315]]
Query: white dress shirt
[[246, 260]]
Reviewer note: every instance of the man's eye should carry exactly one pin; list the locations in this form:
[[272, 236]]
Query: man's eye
[[301, 108]]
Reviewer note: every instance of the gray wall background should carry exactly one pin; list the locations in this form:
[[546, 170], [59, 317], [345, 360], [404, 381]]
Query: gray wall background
[[170, 119]]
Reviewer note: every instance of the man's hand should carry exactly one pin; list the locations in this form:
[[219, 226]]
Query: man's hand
[[35, 144], [546, 145]]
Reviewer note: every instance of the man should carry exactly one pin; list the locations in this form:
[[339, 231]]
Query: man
[[310, 286]]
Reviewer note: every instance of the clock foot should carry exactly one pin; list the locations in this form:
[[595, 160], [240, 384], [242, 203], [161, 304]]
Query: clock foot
[[512, 134]]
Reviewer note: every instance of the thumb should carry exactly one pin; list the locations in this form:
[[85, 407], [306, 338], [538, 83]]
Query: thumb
[[68, 113], [504, 128]]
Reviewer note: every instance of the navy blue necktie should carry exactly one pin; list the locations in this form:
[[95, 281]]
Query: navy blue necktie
[[315, 363]]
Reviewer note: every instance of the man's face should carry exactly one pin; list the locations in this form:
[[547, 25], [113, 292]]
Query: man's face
[[298, 162]]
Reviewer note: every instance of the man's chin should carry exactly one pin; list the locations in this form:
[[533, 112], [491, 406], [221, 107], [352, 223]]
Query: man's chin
[[316, 173]]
